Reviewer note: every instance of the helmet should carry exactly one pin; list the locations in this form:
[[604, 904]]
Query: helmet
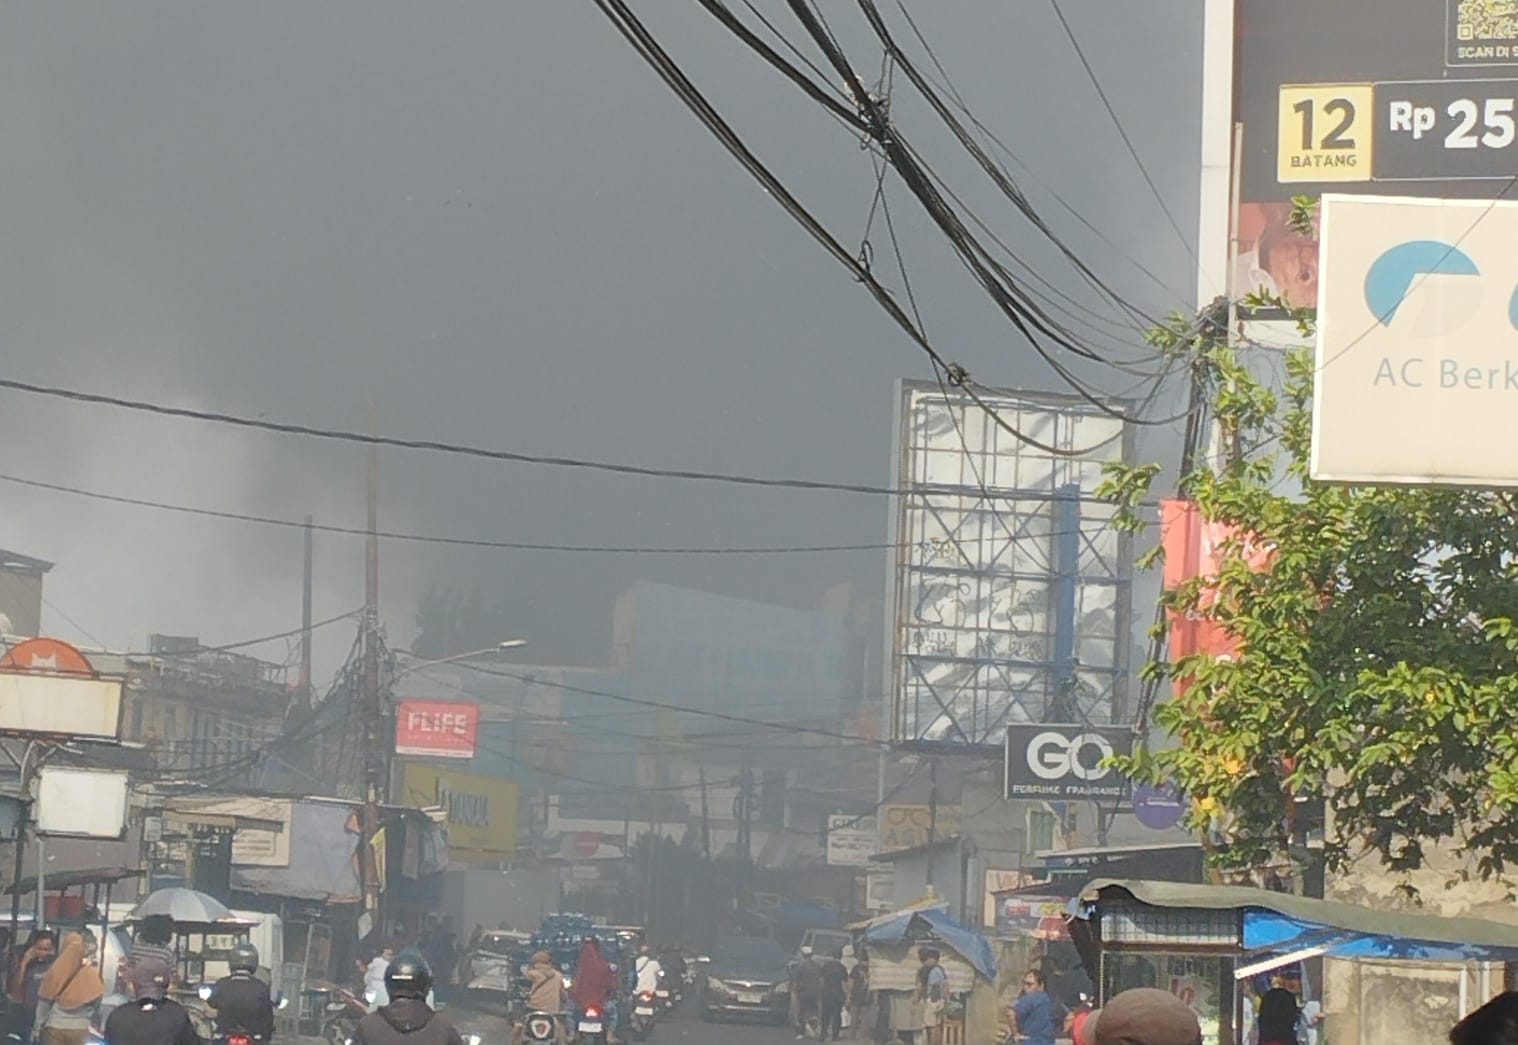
[[408, 977], [244, 958]]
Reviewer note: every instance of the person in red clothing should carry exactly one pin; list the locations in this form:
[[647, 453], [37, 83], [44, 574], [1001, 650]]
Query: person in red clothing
[[595, 983]]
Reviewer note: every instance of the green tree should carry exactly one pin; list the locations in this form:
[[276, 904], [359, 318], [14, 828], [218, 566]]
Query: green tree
[[1379, 669]]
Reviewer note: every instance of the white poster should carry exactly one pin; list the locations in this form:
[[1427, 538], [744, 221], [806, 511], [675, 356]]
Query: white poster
[[852, 840], [1417, 353], [82, 803]]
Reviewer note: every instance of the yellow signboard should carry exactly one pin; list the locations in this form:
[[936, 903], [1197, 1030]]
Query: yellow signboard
[[905, 826], [482, 810], [1325, 132]]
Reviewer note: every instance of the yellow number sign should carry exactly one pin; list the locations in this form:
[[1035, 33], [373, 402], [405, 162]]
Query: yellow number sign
[[1325, 132]]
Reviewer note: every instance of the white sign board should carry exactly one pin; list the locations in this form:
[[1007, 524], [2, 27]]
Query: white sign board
[[1417, 350], [60, 705], [81, 803], [852, 840]]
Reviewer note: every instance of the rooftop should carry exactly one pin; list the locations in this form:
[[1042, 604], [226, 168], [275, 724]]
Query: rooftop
[[10, 560]]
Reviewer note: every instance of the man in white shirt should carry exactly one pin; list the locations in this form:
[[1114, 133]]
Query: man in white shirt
[[374, 978], [647, 969]]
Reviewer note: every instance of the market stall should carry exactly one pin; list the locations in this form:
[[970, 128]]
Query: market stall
[[1205, 943], [893, 940]]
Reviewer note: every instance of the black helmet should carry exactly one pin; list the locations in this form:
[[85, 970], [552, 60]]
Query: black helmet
[[408, 977], [244, 958]]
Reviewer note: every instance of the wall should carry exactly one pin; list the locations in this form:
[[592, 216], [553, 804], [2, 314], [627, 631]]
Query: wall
[[21, 601]]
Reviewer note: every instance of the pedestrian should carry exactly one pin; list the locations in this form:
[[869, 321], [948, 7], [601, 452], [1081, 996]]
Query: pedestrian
[[70, 993], [1033, 1016], [1145, 1016], [374, 977], [932, 993], [155, 939], [1278, 1017], [806, 991], [26, 984], [831, 996], [861, 998], [1495, 1023]]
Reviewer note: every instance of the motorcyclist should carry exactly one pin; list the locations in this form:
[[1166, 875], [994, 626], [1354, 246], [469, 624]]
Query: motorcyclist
[[595, 982], [673, 963], [407, 1019], [241, 1000], [647, 970], [152, 1018]]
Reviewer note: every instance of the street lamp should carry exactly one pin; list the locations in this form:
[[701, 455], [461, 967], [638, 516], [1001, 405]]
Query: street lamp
[[499, 647]]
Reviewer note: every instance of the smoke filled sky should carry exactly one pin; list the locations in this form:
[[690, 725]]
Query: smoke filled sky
[[491, 221]]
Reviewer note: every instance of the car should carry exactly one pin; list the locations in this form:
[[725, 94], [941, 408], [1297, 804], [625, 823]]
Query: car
[[746, 978]]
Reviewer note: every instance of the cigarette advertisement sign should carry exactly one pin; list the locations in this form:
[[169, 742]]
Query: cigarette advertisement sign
[[1417, 352], [436, 728], [482, 810], [1406, 97]]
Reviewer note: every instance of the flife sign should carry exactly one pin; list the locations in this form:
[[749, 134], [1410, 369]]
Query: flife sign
[[1064, 763], [436, 728], [1416, 377]]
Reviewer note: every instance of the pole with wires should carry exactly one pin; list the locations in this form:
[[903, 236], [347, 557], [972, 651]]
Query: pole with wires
[[370, 698]]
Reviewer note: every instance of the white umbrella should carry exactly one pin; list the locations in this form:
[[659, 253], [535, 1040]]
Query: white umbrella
[[182, 905]]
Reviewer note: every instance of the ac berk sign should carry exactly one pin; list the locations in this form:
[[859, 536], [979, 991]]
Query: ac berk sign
[[436, 728]]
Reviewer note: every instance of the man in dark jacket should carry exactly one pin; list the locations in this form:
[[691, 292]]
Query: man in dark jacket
[[408, 1019], [241, 1000], [152, 1019]]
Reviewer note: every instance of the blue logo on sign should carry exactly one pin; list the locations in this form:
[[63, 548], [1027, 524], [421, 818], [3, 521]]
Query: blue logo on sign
[[1391, 277]]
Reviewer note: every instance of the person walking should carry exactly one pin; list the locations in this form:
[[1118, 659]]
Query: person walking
[[830, 997], [1033, 1016], [861, 998], [26, 983], [70, 993], [806, 991]]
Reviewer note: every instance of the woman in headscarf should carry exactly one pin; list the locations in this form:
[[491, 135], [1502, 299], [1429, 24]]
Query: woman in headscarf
[[70, 993], [1278, 1017], [594, 980]]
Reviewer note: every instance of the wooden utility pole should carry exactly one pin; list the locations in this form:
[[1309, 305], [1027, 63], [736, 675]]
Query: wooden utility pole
[[305, 694]]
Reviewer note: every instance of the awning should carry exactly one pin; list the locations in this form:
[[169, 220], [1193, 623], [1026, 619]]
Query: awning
[[971, 945], [1278, 927], [75, 879]]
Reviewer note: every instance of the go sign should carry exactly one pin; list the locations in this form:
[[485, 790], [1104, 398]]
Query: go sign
[[1065, 762]]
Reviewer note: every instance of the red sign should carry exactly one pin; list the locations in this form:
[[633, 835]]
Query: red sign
[[1196, 547], [436, 728], [587, 843], [46, 655]]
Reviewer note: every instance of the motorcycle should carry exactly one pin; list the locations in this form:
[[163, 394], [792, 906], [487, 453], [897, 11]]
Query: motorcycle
[[344, 1010], [539, 1026], [645, 1011], [591, 1026]]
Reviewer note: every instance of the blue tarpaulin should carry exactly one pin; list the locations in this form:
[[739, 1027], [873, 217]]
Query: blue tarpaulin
[[974, 947]]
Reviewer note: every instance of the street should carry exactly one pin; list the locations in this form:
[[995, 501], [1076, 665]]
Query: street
[[683, 1028]]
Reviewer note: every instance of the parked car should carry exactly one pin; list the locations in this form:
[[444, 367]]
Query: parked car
[[746, 977]]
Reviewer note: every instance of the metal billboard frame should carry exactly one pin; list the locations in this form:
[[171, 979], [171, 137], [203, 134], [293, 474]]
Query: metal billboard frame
[[1009, 674]]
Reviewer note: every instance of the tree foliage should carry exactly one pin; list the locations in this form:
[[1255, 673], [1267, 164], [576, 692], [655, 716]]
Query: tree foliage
[[1379, 669]]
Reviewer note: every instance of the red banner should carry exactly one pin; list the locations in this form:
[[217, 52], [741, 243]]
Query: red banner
[[436, 728], [1195, 547]]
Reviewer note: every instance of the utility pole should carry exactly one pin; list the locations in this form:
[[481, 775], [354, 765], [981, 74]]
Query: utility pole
[[745, 828], [706, 820], [305, 619], [373, 759]]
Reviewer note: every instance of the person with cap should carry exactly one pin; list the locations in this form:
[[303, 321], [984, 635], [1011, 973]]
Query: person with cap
[[241, 1000], [546, 990], [406, 1019], [1144, 1016], [152, 1018]]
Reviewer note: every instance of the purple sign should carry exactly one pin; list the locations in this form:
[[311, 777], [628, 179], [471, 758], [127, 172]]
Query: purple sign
[[1158, 807]]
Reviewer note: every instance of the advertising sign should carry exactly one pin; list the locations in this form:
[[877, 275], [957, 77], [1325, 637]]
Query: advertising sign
[[1065, 762], [1012, 587], [59, 706], [1413, 97], [436, 728], [907, 826], [851, 840], [880, 888], [1417, 352], [81, 803], [482, 810], [1036, 917]]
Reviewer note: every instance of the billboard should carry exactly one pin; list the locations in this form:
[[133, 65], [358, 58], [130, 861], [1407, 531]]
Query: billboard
[[851, 840], [1064, 763], [81, 803], [1413, 97], [59, 706], [1417, 351], [1011, 593], [436, 728], [906, 825], [482, 810]]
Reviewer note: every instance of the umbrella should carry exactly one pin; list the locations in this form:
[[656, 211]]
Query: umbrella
[[182, 905]]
